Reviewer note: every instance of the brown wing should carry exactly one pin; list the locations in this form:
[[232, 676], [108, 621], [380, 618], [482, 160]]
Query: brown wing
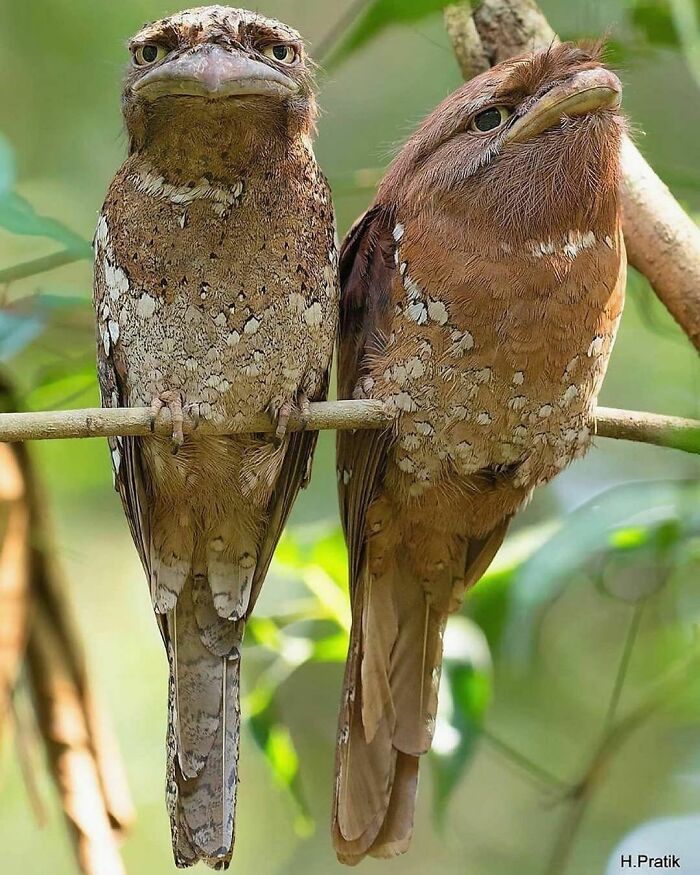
[[294, 476], [126, 461], [367, 268]]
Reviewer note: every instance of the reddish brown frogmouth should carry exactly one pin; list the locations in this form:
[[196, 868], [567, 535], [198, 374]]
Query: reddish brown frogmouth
[[481, 294], [216, 295]]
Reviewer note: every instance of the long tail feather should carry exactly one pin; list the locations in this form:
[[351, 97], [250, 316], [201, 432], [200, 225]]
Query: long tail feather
[[387, 715], [385, 720], [204, 729]]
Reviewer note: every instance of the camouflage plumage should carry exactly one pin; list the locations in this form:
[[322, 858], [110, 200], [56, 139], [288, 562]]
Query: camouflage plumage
[[481, 295], [216, 292]]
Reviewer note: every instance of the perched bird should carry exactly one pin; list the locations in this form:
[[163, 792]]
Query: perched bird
[[480, 296], [216, 295]]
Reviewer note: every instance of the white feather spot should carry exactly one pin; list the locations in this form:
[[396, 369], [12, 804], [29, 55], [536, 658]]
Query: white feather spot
[[518, 378], [102, 233], [313, 314], [569, 395], [437, 312], [462, 341], [545, 411], [116, 459], [425, 428], [297, 302], [398, 232], [415, 368], [251, 325], [404, 402], [116, 280], [146, 306], [417, 313], [596, 346], [413, 290]]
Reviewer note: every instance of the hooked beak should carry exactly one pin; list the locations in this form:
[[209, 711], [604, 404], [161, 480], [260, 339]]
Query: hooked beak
[[585, 92], [213, 72]]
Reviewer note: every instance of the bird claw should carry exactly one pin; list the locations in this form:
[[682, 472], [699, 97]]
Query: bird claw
[[283, 415], [194, 413], [173, 401], [304, 410]]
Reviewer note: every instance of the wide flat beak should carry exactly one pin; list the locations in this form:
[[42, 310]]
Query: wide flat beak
[[213, 72], [585, 92]]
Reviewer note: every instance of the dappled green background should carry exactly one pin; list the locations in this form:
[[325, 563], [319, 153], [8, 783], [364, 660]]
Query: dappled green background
[[613, 546]]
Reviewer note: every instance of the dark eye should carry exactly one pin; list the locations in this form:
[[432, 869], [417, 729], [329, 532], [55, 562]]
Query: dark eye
[[149, 54], [282, 53], [490, 119]]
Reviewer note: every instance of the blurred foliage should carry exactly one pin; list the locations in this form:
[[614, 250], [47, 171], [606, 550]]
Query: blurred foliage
[[582, 635], [367, 19]]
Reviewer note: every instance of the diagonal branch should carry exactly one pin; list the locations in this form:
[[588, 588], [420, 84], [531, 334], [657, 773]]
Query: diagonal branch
[[663, 242], [650, 428]]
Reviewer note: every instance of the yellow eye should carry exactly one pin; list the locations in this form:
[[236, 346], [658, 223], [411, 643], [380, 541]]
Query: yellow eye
[[490, 119], [283, 54], [148, 54]]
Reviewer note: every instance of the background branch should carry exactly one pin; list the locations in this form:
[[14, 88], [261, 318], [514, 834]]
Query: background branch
[[630, 425], [663, 242]]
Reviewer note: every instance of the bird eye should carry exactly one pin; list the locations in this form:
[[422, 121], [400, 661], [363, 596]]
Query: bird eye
[[148, 54], [282, 53], [490, 119]]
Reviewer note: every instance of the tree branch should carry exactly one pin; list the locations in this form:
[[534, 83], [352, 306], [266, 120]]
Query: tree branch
[[38, 265], [663, 242], [650, 428]]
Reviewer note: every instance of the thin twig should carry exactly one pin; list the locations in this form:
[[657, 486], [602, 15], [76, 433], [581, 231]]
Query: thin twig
[[328, 42], [526, 765], [39, 265], [651, 428], [621, 677]]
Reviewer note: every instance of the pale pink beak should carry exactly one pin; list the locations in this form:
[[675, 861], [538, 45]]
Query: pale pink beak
[[213, 72]]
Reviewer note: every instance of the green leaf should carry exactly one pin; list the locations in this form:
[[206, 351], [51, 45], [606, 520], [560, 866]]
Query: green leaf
[[603, 539], [276, 744], [465, 694], [333, 648], [489, 603], [7, 167], [17, 332], [331, 555], [654, 20], [373, 18], [19, 217]]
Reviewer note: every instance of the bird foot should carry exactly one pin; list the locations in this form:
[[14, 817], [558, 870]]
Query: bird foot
[[304, 410], [283, 415], [172, 400], [193, 411], [285, 412]]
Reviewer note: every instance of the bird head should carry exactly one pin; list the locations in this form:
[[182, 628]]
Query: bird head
[[531, 144], [217, 67]]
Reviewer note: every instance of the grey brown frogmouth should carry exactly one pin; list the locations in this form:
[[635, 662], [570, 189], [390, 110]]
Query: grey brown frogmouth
[[215, 294]]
